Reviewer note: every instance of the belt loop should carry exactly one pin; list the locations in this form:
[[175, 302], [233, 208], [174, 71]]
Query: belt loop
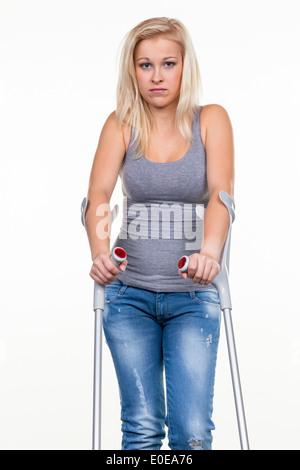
[[123, 288]]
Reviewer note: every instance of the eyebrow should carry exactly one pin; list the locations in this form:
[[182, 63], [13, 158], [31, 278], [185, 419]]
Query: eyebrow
[[165, 58]]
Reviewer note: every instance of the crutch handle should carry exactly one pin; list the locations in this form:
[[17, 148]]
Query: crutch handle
[[220, 281], [118, 256]]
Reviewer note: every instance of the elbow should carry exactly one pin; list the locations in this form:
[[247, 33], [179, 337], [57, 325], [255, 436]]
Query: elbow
[[97, 202], [96, 194], [228, 188]]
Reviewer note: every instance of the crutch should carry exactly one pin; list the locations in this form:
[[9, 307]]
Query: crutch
[[118, 256], [221, 282]]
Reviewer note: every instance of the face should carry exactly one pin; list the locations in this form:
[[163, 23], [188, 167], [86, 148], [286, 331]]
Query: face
[[158, 68]]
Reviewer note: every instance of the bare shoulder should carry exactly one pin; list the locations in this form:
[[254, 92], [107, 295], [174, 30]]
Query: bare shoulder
[[112, 122], [214, 111], [214, 117], [124, 131], [112, 134]]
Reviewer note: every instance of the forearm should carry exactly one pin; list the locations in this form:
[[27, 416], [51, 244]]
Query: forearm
[[98, 222], [216, 225]]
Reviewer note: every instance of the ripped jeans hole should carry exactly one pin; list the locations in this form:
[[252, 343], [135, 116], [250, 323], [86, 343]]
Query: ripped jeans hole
[[196, 444], [209, 339]]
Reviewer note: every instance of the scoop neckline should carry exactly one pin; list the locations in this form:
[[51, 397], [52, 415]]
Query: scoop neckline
[[198, 108], [174, 161]]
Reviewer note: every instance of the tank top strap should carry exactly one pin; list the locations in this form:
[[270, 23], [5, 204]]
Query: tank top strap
[[196, 126]]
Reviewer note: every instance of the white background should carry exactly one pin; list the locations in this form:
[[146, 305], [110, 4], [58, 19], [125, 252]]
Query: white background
[[59, 65]]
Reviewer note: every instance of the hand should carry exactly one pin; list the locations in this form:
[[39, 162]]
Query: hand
[[103, 269], [202, 268]]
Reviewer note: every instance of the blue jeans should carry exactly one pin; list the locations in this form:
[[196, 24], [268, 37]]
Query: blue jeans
[[148, 332]]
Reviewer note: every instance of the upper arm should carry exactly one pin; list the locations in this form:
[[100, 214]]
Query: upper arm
[[108, 157], [219, 145]]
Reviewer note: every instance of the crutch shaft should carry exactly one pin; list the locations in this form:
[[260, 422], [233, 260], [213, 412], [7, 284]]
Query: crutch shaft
[[236, 383], [117, 257], [97, 380]]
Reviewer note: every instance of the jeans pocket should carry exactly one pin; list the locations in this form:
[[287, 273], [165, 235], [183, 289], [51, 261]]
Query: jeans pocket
[[206, 296], [209, 309], [114, 291]]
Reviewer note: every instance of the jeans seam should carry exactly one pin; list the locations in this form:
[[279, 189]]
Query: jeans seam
[[205, 302], [170, 430], [168, 298]]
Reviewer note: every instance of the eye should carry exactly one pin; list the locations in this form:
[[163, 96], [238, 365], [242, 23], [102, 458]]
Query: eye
[[170, 64], [145, 65]]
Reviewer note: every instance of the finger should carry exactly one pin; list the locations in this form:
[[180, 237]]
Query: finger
[[206, 274], [105, 276], [123, 265], [106, 268], [102, 272], [184, 275], [99, 279], [214, 271], [109, 266], [102, 280], [199, 273], [192, 268]]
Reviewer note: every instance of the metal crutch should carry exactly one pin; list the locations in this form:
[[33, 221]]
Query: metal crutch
[[221, 282], [118, 256]]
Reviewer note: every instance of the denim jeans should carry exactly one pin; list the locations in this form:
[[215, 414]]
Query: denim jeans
[[151, 332]]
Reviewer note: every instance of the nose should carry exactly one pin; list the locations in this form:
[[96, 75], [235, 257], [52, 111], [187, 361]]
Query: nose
[[157, 75]]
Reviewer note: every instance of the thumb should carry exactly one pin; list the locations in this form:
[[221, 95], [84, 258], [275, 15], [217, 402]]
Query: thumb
[[123, 265]]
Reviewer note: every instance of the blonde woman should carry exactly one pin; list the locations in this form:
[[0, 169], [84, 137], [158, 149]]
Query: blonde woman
[[173, 157]]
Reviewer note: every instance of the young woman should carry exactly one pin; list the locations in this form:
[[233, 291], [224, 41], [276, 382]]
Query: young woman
[[173, 157]]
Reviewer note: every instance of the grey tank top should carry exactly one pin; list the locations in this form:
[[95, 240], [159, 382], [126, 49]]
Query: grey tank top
[[163, 212]]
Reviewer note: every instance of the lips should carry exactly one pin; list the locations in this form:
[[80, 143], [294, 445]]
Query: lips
[[158, 90]]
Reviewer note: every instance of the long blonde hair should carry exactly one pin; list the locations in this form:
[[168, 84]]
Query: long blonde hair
[[131, 108]]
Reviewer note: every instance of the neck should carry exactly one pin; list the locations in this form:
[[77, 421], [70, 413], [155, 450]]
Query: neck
[[164, 118]]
